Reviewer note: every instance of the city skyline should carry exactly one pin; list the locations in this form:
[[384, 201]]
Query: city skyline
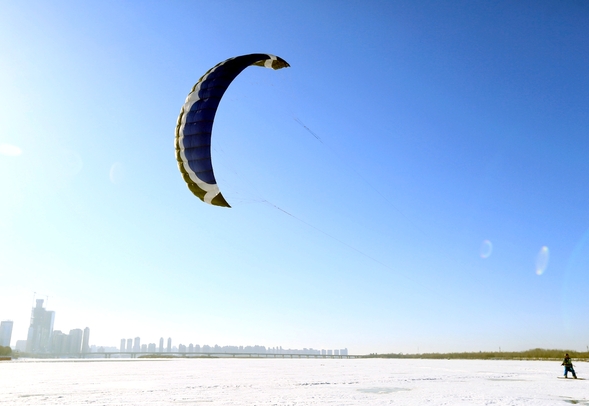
[[42, 339], [197, 349]]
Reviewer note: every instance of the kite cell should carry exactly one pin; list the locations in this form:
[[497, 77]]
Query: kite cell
[[195, 123]]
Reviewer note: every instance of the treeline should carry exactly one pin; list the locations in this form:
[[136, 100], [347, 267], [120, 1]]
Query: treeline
[[537, 353], [5, 350]]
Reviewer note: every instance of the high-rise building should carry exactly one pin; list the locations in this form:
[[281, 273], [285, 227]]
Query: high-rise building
[[122, 349], [129, 344], [40, 330], [169, 344], [162, 344], [76, 336], [5, 333], [137, 344], [59, 342], [21, 345], [86, 340]]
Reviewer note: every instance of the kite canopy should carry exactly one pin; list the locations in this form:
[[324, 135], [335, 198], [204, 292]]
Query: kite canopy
[[195, 123]]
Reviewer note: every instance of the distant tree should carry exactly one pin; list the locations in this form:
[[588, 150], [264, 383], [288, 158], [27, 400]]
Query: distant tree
[[5, 350], [537, 353]]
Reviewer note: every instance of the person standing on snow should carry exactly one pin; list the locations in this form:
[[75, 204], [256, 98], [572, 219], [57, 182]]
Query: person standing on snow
[[568, 366]]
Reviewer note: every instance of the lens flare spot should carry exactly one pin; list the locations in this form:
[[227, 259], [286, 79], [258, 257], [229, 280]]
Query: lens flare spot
[[542, 260], [486, 249], [117, 173], [10, 150]]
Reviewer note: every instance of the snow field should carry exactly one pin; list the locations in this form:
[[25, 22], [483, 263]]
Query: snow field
[[289, 382]]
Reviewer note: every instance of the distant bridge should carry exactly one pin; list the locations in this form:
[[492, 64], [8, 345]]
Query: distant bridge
[[131, 354]]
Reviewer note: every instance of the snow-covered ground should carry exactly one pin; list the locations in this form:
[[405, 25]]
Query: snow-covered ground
[[290, 382]]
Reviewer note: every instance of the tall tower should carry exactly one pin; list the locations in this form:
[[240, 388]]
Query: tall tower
[[5, 333], [40, 330], [137, 345], [129, 344], [162, 344], [122, 345], [76, 336], [59, 342], [86, 340], [169, 344]]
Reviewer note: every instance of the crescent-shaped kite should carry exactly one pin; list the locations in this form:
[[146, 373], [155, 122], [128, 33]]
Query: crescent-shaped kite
[[195, 123]]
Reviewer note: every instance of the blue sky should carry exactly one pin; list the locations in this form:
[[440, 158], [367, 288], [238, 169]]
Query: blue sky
[[392, 191]]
